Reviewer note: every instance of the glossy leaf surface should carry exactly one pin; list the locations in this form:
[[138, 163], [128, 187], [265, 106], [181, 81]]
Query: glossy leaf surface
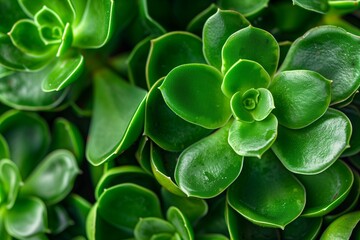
[[245, 7], [180, 222], [303, 228], [27, 218], [165, 128], [321, 6], [326, 138], [171, 50], [123, 205], [148, 227], [253, 139], [291, 91], [10, 182], [208, 167], [253, 44], [342, 227], [53, 178], [216, 30], [193, 91], [123, 106], [274, 200], [332, 52], [326, 190]]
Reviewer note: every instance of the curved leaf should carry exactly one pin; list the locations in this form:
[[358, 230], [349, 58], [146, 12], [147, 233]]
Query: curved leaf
[[216, 30], [303, 228], [326, 190], [321, 50], [253, 44], [123, 205], [245, 7], [326, 139], [320, 6], [148, 227], [10, 12], [291, 91], [208, 167], [193, 91], [196, 24], [165, 128], [354, 116], [28, 217], [342, 227], [4, 148], [273, 200], [10, 182], [253, 139], [53, 178], [169, 51], [123, 106], [180, 222]]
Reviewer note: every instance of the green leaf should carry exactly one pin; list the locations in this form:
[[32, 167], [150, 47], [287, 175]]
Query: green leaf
[[171, 50], [320, 6], [26, 37], [303, 228], [49, 25], [123, 105], [59, 219], [192, 208], [63, 8], [53, 178], [253, 44], [326, 139], [64, 71], [142, 154], [193, 91], [342, 227], [180, 222], [196, 24], [147, 22], [291, 91], [124, 174], [216, 30], [4, 148], [28, 137], [28, 217], [245, 7], [273, 200], [96, 25], [321, 50], [244, 75], [326, 190], [354, 116], [165, 128], [253, 139], [10, 182], [4, 235], [10, 12], [212, 237], [22, 90], [123, 205], [148, 227], [208, 167]]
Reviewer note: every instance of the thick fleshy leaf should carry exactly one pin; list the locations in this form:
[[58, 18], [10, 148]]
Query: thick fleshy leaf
[[171, 50], [274, 200], [53, 178], [124, 174], [49, 25], [181, 223], [23, 90], [28, 137], [147, 227], [320, 6], [149, 23], [326, 190], [244, 75], [321, 50], [209, 166], [123, 106], [4, 235], [192, 208], [26, 37], [123, 205], [253, 139], [165, 128], [212, 237], [245, 7], [291, 91], [10, 12], [4, 148], [326, 139], [163, 166], [96, 24], [10, 182], [58, 219], [197, 23], [28, 217], [65, 70], [342, 227], [253, 44], [303, 228], [142, 154], [215, 32], [193, 91], [354, 116], [63, 8]]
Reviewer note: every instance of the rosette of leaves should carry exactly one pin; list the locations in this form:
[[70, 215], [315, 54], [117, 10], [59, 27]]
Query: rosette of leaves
[[34, 177], [40, 43], [272, 123]]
